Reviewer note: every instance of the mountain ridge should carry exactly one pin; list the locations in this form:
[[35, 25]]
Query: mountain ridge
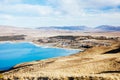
[[83, 28], [108, 28]]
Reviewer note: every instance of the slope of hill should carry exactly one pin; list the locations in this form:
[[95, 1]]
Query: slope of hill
[[97, 63]]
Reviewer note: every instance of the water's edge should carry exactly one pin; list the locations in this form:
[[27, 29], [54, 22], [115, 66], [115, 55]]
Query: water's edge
[[43, 46]]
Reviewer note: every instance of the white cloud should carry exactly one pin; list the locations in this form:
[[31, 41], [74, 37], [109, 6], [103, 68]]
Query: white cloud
[[88, 20], [60, 12], [6, 17], [21, 9], [68, 7], [58, 7], [82, 7], [10, 1], [103, 3], [71, 7]]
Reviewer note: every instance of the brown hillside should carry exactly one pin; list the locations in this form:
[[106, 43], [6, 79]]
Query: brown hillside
[[97, 63]]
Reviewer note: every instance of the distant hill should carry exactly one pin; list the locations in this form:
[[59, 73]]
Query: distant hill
[[108, 28], [71, 28], [65, 28], [83, 28]]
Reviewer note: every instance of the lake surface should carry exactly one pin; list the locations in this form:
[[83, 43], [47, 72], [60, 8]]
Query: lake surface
[[15, 53]]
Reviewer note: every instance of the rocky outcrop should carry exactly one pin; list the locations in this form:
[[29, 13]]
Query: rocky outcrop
[[77, 42], [12, 38]]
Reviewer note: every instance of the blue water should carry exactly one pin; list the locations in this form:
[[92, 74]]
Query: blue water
[[15, 53]]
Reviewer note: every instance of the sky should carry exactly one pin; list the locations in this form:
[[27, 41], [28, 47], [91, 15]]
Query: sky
[[44, 13]]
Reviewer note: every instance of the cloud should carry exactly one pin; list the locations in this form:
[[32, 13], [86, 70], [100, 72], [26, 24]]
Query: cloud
[[83, 7], [10, 1], [103, 3], [88, 20], [27, 9], [60, 12], [60, 7], [71, 7]]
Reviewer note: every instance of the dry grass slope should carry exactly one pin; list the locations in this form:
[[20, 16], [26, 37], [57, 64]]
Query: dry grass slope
[[97, 63]]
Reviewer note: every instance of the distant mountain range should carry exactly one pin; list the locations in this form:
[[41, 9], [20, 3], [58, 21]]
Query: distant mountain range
[[108, 28], [65, 27], [83, 28]]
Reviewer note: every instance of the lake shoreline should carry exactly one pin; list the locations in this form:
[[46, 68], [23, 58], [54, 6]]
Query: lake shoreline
[[44, 47], [39, 45], [77, 61], [86, 64]]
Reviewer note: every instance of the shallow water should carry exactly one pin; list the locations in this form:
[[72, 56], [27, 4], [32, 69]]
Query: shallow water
[[15, 53]]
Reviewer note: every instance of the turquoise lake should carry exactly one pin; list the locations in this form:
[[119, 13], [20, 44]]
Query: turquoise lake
[[15, 53]]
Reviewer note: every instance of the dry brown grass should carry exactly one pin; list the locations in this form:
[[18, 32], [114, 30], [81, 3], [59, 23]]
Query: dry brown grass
[[97, 63]]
